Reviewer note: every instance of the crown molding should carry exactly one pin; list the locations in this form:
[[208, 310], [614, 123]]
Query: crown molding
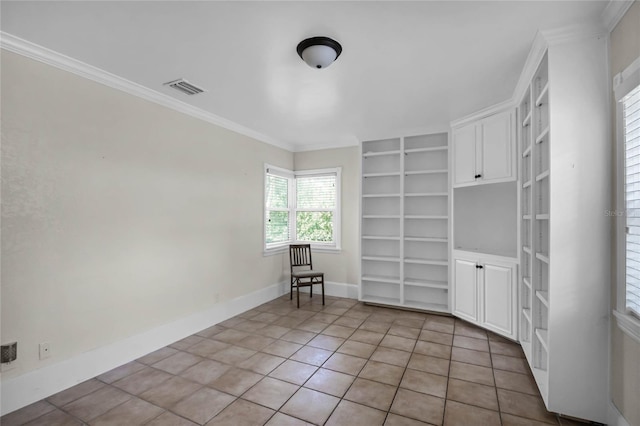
[[485, 112], [574, 33], [536, 53], [613, 13], [319, 146], [442, 127], [39, 53]]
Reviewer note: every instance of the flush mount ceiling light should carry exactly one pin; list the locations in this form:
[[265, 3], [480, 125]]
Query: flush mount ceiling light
[[319, 52]]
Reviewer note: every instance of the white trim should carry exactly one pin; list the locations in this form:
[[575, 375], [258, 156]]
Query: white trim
[[573, 33], [335, 289], [629, 324], [613, 13], [35, 385], [615, 418], [328, 145], [542, 41], [483, 113], [625, 81], [391, 134], [30, 50], [536, 53]]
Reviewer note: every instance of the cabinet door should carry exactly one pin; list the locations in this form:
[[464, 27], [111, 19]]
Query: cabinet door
[[498, 299], [464, 154], [497, 148], [465, 297]]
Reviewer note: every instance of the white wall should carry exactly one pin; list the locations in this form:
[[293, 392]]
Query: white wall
[[345, 266], [119, 215]]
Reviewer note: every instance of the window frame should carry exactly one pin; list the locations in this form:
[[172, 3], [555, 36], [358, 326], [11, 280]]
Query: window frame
[[291, 176], [628, 321]]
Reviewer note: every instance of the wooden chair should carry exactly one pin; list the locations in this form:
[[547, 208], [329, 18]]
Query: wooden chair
[[302, 273]]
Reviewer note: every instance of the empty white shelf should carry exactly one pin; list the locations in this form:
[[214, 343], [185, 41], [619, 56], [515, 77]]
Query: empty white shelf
[[380, 237], [443, 285], [425, 172], [426, 194], [386, 174], [542, 135], [427, 239], [542, 257], [542, 175], [382, 258], [430, 149], [381, 153], [426, 261], [541, 334], [390, 195], [381, 279], [543, 297], [541, 96]]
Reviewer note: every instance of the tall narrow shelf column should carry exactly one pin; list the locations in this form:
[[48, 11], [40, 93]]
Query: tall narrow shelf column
[[405, 221], [564, 235]]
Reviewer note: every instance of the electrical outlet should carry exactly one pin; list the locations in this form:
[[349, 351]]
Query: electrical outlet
[[45, 350]]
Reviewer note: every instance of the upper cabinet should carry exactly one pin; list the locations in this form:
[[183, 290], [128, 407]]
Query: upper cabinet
[[484, 151]]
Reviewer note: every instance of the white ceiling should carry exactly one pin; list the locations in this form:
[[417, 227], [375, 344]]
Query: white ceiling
[[405, 66]]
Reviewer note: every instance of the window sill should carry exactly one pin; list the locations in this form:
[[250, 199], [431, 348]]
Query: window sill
[[284, 249], [629, 324]]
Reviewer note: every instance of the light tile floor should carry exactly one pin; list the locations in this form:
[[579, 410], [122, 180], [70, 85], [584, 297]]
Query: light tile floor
[[344, 363]]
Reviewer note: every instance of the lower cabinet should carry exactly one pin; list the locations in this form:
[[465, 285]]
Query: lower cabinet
[[484, 291]]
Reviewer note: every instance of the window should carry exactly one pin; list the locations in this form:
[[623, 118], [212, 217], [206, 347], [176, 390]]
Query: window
[[627, 95], [302, 206], [631, 134]]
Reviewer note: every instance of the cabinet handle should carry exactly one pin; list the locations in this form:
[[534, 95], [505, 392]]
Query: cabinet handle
[[478, 176], [479, 266]]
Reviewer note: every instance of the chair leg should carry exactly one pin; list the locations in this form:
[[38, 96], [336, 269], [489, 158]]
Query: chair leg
[[323, 291], [291, 290], [298, 295], [311, 290]]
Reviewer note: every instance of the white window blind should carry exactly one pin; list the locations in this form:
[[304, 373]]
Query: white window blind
[[315, 205], [276, 209], [631, 130]]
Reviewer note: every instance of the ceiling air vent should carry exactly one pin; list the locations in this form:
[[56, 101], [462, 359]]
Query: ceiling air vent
[[185, 87]]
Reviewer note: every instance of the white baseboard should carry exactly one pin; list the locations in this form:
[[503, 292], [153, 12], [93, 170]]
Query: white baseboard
[[341, 290], [615, 418], [35, 385], [44, 382]]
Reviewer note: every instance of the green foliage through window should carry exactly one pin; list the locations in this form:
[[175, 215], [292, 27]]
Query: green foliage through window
[[314, 226]]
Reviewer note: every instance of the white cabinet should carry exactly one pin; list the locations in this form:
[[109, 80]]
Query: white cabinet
[[484, 292], [498, 299], [405, 222], [465, 296], [484, 151], [464, 154]]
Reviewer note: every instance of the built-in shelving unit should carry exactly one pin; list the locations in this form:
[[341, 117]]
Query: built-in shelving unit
[[405, 222], [563, 284], [535, 233]]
